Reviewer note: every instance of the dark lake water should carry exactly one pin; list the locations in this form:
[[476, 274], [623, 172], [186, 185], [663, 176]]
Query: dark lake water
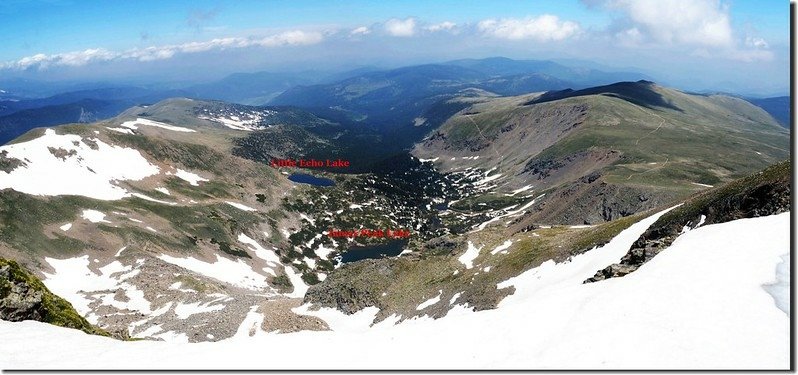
[[355, 253], [311, 180]]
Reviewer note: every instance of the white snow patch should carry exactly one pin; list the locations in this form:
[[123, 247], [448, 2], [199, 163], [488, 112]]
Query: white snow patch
[[268, 255], [701, 221], [146, 198], [308, 218], [469, 255], [121, 130], [503, 246], [247, 121], [184, 310], [133, 124], [455, 297], [162, 310], [251, 324], [310, 262], [163, 190], [428, 160], [520, 190], [66, 227], [508, 214], [232, 272], [487, 179], [94, 216], [429, 302], [240, 206], [323, 252], [192, 178], [300, 288]]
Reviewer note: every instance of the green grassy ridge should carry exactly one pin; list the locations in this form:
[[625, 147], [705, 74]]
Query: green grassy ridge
[[662, 150], [194, 156], [24, 218], [710, 133], [55, 310], [616, 124], [689, 147], [774, 179]]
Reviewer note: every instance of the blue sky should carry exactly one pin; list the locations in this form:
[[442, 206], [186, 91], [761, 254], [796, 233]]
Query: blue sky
[[704, 42]]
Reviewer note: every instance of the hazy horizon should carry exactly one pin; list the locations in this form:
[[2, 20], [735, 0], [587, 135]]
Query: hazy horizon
[[707, 45]]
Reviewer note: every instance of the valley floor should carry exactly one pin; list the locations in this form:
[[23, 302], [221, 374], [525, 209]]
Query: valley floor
[[714, 300]]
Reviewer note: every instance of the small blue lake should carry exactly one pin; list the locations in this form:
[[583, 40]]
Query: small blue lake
[[311, 180], [355, 253]]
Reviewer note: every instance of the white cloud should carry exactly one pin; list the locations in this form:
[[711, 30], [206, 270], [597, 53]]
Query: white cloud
[[443, 26], [630, 37], [291, 38], [80, 58], [397, 27], [362, 30], [544, 28], [697, 22], [756, 42], [703, 27], [76, 58]]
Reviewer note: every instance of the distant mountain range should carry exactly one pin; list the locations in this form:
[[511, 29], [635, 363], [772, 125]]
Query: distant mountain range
[[390, 100], [19, 116], [778, 107]]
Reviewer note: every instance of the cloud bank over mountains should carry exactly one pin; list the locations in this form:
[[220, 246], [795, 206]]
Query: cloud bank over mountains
[[646, 33], [80, 58]]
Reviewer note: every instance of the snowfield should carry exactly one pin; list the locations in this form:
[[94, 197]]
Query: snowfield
[[236, 272], [471, 253], [192, 178], [88, 169], [94, 216], [701, 303], [143, 121], [239, 120], [74, 281], [240, 206]]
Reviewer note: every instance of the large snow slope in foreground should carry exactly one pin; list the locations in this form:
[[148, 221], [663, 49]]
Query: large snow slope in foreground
[[702, 303]]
